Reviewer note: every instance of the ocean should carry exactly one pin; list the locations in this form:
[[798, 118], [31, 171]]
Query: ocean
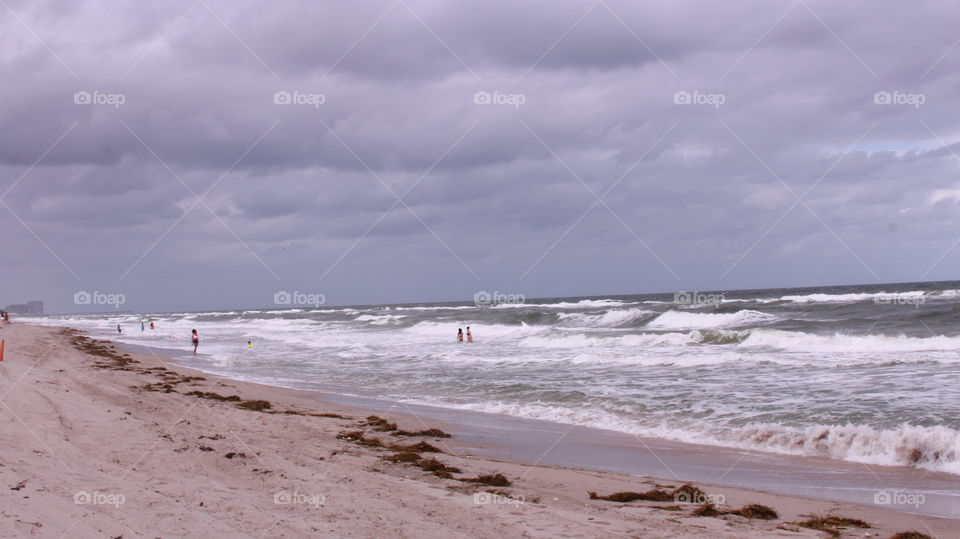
[[857, 373]]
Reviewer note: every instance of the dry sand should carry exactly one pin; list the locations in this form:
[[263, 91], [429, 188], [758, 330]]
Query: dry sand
[[95, 446]]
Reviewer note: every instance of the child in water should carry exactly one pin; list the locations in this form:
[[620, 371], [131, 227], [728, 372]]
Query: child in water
[[459, 335], [196, 341], [469, 335]]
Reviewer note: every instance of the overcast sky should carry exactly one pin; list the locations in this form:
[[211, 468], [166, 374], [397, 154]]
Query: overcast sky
[[208, 154]]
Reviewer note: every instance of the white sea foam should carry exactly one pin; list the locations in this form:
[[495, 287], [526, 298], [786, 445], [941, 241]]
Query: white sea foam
[[853, 298], [682, 320], [582, 304], [379, 319], [611, 318], [799, 341], [438, 308]]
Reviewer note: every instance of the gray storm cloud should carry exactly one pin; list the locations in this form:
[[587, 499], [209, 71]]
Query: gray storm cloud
[[206, 154]]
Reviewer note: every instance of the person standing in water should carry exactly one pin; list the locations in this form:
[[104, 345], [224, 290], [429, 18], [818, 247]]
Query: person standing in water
[[151, 325], [142, 327], [118, 329], [469, 335], [196, 341], [459, 335]]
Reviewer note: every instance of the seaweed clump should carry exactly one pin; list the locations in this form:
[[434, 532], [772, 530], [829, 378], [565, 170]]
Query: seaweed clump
[[754, 510], [685, 493], [493, 480], [380, 424], [427, 433], [255, 405], [831, 524]]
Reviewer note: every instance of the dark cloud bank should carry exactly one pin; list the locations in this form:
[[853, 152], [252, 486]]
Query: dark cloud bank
[[201, 155]]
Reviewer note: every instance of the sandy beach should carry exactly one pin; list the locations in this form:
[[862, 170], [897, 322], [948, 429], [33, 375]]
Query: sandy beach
[[98, 442]]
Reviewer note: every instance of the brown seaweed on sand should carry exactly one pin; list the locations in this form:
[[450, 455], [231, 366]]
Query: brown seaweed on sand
[[754, 510], [427, 433], [213, 396], [380, 424], [255, 405], [403, 457], [706, 510], [831, 524], [359, 438], [419, 447], [654, 495], [493, 480], [687, 492]]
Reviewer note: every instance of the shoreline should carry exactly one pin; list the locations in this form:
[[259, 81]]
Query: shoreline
[[190, 464], [506, 437]]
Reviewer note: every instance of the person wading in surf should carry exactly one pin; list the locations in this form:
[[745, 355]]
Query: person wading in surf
[[196, 341], [469, 335], [459, 334]]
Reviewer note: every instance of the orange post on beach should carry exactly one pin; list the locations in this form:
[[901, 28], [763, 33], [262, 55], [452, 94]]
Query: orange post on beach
[[2, 342]]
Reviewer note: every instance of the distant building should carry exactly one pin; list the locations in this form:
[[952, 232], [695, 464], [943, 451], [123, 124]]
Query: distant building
[[33, 308]]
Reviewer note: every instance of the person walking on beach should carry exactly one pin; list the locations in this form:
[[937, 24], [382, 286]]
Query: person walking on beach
[[459, 335], [196, 341], [469, 335]]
